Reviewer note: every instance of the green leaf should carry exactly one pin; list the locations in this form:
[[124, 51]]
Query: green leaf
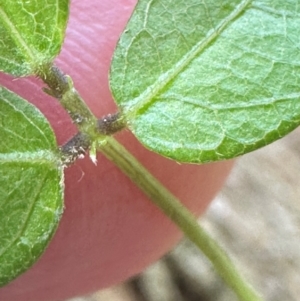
[[31, 32], [31, 188], [202, 81]]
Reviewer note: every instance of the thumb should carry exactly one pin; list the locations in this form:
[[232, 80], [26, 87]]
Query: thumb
[[110, 230]]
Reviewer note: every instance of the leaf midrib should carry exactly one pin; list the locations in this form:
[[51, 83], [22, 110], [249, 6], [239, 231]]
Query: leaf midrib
[[133, 106], [17, 37], [36, 157]]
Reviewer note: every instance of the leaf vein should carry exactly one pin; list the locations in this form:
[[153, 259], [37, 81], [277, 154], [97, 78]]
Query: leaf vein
[[276, 12], [28, 119], [209, 106], [34, 157], [30, 211], [16, 35], [145, 98]]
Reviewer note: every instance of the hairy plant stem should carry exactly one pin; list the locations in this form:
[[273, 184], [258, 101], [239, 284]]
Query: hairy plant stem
[[180, 215], [93, 133], [61, 87]]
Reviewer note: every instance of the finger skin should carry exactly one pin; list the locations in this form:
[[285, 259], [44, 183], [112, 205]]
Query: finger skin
[[109, 230]]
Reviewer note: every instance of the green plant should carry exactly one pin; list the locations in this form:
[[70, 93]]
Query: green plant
[[242, 105]]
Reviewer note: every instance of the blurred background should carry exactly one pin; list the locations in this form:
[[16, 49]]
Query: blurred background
[[256, 218]]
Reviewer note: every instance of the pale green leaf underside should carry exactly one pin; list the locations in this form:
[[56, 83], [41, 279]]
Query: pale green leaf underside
[[202, 81], [31, 189], [31, 33]]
